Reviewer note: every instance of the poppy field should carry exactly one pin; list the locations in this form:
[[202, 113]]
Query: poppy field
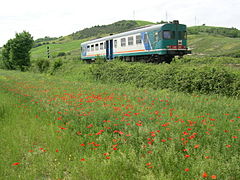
[[56, 128]]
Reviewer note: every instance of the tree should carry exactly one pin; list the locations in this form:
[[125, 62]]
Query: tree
[[16, 52]]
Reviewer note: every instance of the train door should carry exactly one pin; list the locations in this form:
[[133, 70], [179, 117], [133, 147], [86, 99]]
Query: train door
[[177, 35], [109, 49], [145, 39]]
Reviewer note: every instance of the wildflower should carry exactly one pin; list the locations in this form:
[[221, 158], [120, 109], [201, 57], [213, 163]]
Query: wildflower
[[90, 126], [78, 133], [235, 137], [114, 148], [82, 144], [15, 164], [204, 175], [57, 150], [138, 124], [196, 146], [108, 157], [214, 177], [83, 159], [187, 156], [228, 145], [187, 169]]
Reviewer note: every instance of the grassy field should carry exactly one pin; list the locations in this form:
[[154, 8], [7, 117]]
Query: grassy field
[[68, 127], [204, 44]]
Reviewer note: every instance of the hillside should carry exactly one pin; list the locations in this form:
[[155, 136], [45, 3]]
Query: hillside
[[203, 40]]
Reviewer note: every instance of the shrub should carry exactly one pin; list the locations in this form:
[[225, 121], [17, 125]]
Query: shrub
[[203, 79], [42, 65], [61, 54], [56, 65]]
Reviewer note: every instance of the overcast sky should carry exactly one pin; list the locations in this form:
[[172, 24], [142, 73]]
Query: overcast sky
[[56, 18]]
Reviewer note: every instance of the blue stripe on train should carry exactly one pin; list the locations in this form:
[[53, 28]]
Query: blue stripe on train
[[145, 39]]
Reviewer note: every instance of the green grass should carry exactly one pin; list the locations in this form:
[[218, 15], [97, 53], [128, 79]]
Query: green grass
[[204, 44], [144, 23], [57, 127], [72, 47]]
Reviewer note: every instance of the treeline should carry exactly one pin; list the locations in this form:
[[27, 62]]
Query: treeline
[[228, 32], [97, 31], [43, 41]]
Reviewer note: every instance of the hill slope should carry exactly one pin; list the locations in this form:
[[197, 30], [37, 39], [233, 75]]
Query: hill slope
[[203, 40]]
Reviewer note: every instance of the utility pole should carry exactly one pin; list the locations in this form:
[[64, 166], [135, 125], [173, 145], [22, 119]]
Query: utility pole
[[48, 52]]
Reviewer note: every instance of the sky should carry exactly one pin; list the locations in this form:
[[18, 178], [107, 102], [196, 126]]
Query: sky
[[56, 18]]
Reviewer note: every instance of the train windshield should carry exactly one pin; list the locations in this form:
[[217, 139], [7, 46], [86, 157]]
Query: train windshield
[[168, 34], [182, 35]]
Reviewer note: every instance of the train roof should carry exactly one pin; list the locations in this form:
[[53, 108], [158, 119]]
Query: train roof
[[141, 29]]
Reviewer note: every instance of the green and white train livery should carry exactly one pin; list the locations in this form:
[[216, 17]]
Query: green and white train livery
[[156, 43]]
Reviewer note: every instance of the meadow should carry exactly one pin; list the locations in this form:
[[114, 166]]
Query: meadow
[[70, 126], [65, 119]]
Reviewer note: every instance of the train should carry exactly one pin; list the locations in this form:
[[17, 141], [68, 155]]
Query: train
[[153, 43]]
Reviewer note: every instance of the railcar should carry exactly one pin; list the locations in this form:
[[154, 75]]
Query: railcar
[[155, 43]]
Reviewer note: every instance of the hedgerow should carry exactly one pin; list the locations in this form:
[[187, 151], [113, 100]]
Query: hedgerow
[[205, 79]]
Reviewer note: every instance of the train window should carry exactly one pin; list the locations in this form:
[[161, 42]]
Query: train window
[[96, 47], [160, 35], [173, 34], [138, 39], [145, 38], [101, 46], [123, 42], [167, 35], [130, 41], [156, 38], [92, 47], [115, 43], [88, 48], [182, 35]]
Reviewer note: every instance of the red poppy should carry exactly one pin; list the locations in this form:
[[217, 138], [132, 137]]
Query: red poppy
[[214, 177], [187, 156], [204, 175], [15, 164], [187, 169], [196, 146]]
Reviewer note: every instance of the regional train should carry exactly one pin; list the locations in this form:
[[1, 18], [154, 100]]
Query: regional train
[[155, 43]]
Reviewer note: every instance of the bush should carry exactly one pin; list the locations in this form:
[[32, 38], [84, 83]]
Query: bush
[[56, 65], [61, 54], [42, 65], [203, 79]]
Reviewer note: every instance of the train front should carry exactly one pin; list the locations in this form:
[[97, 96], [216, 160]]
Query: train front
[[174, 39]]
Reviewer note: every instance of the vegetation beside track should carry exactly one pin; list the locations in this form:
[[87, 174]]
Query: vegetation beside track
[[55, 127]]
